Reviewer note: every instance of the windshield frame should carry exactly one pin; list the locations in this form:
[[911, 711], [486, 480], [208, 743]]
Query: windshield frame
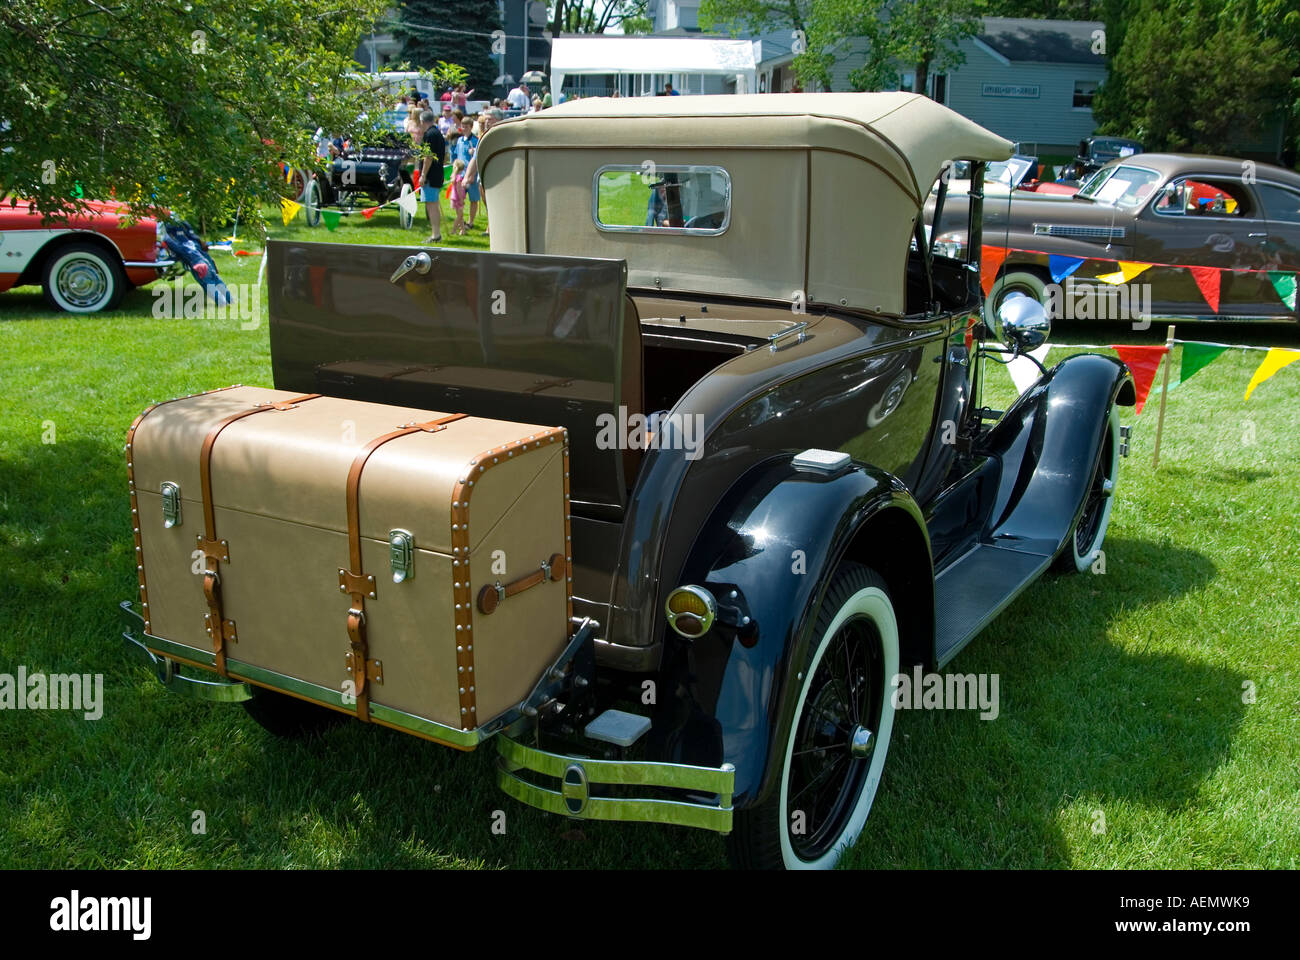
[[1104, 175]]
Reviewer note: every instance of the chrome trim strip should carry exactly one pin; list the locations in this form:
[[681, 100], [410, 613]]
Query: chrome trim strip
[[143, 264], [514, 756]]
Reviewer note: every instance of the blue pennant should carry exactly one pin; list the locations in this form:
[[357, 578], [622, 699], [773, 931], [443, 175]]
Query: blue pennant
[[1062, 267]]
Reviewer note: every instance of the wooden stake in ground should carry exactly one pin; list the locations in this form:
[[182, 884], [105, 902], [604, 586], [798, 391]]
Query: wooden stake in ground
[[1164, 393]]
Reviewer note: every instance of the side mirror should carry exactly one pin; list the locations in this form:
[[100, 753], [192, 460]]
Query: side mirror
[[1021, 323]]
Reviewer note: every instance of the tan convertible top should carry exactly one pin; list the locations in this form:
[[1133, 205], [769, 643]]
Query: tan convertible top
[[825, 187]]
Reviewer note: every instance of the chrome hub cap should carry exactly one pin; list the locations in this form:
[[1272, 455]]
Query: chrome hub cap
[[82, 283], [861, 743]]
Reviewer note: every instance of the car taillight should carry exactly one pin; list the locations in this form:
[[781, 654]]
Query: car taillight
[[691, 611]]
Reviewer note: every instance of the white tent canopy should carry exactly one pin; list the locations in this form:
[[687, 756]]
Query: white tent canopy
[[627, 56]]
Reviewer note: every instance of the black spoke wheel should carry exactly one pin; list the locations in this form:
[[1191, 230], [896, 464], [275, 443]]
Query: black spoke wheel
[[1083, 545], [836, 736], [834, 748]]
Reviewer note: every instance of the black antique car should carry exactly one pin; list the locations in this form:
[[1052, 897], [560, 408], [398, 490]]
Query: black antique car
[[785, 488], [362, 176], [1096, 152]]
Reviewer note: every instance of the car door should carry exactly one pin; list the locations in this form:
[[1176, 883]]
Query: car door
[[1205, 221], [1281, 207]]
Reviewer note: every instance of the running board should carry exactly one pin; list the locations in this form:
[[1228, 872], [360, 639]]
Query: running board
[[975, 588]]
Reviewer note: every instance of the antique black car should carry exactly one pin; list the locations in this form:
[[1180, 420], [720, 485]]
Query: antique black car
[[362, 176], [1096, 152], [782, 489]]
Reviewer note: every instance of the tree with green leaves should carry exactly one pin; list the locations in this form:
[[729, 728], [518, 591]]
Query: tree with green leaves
[[190, 106], [1197, 76], [919, 34], [454, 31]]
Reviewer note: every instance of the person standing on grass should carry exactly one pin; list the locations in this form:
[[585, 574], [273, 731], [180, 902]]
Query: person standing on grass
[[486, 119], [466, 149], [431, 184]]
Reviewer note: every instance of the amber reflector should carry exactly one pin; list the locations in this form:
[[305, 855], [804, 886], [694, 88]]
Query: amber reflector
[[684, 601]]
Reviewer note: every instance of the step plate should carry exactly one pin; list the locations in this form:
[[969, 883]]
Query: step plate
[[618, 727]]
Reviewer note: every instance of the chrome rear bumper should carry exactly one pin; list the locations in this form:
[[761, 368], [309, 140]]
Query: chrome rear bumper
[[169, 671], [576, 776]]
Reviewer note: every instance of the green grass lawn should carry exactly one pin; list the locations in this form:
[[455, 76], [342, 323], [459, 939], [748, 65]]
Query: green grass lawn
[[1121, 694]]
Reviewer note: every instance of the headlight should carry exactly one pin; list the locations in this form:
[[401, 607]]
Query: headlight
[[951, 245], [691, 611]]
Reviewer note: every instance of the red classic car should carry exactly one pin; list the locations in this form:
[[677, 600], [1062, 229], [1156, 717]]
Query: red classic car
[[85, 262]]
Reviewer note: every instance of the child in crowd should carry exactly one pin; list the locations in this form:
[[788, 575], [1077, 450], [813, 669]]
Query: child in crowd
[[457, 194]]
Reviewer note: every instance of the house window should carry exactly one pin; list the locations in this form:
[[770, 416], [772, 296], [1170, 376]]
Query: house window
[[1084, 91]]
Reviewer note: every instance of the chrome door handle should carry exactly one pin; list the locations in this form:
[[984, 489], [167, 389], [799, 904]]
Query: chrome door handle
[[1256, 236], [419, 262]]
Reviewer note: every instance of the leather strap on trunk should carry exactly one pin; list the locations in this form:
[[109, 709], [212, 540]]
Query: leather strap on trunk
[[216, 551], [493, 594], [355, 581]]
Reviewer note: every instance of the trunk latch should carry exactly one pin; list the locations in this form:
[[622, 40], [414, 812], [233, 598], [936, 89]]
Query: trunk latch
[[401, 553], [171, 504]]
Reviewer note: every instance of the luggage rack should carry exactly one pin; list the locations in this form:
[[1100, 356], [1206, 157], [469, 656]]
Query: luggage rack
[[167, 659], [685, 795]]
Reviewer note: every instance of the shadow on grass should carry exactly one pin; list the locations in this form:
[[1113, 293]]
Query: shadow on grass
[[1081, 718]]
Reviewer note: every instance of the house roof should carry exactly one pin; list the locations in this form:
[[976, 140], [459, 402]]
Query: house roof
[[1042, 41]]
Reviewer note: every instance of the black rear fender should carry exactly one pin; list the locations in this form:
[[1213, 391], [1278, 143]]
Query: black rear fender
[[767, 553]]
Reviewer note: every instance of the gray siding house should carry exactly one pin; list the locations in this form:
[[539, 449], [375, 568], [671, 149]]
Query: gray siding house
[[1031, 81]]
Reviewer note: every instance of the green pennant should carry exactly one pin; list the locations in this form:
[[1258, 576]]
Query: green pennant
[[331, 218], [1196, 356], [1284, 284]]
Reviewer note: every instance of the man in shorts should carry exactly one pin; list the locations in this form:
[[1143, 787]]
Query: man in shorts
[[431, 173]]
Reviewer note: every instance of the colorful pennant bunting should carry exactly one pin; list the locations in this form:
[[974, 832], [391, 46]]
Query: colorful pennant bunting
[[409, 203], [1144, 361], [1207, 280], [991, 259], [1062, 266], [330, 218], [1197, 356], [1284, 284], [288, 209], [1274, 361], [369, 212], [1127, 271]]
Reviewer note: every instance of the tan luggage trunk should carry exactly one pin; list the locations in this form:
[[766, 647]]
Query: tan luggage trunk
[[407, 565]]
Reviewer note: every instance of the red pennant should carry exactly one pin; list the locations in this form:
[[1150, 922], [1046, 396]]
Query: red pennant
[[369, 212], [1144, 362], [991, 260], [1207, 278]]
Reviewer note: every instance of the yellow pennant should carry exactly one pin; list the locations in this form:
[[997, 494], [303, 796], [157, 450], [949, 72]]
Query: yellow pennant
[[1127, 271], [1274, 361], [288, 209]]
